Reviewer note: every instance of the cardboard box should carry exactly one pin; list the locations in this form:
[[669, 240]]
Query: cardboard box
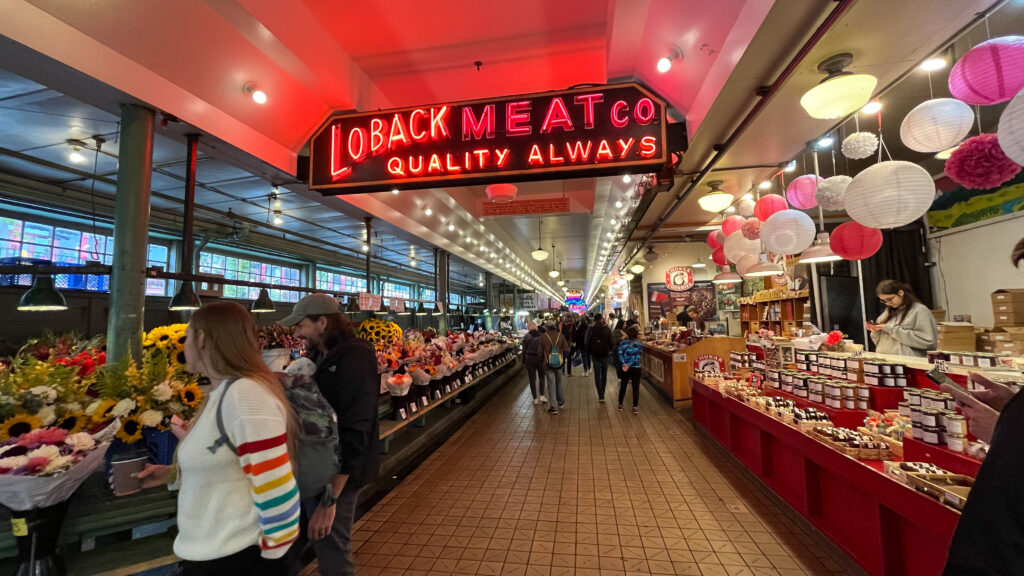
[[1008, 296], [1009, 348], [1002, 335], [1014, 318]]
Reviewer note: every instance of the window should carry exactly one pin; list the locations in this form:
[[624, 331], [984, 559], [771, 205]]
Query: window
[[235, 268], [333, 282], [33, 240], [454, 299], [392, 290], [428, 294]]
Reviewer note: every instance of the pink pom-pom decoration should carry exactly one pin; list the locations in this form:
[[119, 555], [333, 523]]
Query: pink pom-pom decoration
[[732, 224], [712, 240], [801, 191], [990, 73], [980, 163], [855, 241], [769, 205], [751, 229], [718, 256]]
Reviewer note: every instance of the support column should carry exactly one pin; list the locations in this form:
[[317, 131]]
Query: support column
[[441, 286], [369, 248], [489, 298], [131, 233]]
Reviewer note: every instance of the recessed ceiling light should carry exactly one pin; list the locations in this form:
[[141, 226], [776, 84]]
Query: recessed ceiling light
[[394, 190], [428, 211], [451, 227], [258, 96], [871, 107], [764, 185], [824, 142], [933, 64]]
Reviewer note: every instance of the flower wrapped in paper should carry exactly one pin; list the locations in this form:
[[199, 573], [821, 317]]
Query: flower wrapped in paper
[[399, 384], [43, 467]]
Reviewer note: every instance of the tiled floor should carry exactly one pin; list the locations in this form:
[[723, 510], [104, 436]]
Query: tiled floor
[[591, 492]]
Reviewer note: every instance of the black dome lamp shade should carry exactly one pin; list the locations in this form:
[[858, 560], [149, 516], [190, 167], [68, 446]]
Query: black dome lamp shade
[[42, 296]]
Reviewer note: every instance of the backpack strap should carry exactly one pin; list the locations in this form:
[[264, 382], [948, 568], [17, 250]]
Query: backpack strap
[[223, 439]]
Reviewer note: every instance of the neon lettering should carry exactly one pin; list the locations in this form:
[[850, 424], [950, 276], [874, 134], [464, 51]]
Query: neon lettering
[[439, 122], [435, 164], [357, 155], [588, 101], [395, 167], [577, 152], [617, 120], [376, 135], [502, 157], [468, 162], [536, 158], [420, 136], [648, 146], [554, 157], [417, 170], [397, 132], [476, 129], [448, 164], [603, 149], [515, 114], [336, 172], [557, 117], [481, 156], [644, 111], [624, 147]]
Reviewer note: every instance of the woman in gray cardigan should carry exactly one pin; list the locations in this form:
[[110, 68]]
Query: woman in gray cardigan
[[907, 327]]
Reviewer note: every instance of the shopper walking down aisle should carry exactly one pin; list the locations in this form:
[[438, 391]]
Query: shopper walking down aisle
[[580, 342], [534, 362], [238, 510], [629, 357], [568, 330], [599, 345], [906, 327], [346, 374], [554, 350], [618, 335]]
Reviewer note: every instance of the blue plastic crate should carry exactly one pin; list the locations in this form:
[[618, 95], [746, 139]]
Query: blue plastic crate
[[19, 279]]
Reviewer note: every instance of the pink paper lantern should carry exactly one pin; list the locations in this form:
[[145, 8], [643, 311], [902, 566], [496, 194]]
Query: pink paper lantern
[[980, 163], [751, 229], [990, 73], [732, 224], [801, 191], [718, 256], [855, 241], [713, 242], [769, 205]]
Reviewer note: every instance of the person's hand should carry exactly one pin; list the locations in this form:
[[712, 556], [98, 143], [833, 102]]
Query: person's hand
[[321, 522], [981, 419], [995, 395], [625, 367], [179, 428], [871, 326], [152, 476]]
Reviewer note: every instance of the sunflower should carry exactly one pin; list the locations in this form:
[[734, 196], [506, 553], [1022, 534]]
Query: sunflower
[[102, 412], [191, 395], [176, 357], [73, 422], [131, 430], [18, 425]]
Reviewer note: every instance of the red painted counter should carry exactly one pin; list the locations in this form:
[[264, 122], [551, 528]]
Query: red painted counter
[[886, 527]]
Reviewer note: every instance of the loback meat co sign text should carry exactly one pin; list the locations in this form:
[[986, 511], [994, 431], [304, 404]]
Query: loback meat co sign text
[[575, 133]]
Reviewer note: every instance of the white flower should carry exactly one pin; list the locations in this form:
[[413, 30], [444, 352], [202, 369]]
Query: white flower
[[46, 392], [162, 392], [81, 441], [59, 464], [123, 408], [92, 408], [48, 415], [73, 407], [46, 451], [13, 462], [151, 418]]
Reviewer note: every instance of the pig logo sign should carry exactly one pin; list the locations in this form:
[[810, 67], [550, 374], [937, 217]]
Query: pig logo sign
[[679, 278]]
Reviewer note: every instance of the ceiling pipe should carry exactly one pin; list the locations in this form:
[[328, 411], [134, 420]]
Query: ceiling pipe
[[720, 150]]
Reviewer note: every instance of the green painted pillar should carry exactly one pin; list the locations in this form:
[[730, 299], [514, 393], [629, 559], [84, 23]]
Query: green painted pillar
[[131, 233]]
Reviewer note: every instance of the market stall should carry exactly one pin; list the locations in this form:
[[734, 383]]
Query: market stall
[[669, 364]]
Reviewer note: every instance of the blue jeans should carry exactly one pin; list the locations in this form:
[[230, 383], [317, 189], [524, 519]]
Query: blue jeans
[[600, 374]]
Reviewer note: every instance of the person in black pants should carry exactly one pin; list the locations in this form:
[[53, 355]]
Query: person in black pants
[[568, 331], [629, 357], [534, 363], [599, 345]]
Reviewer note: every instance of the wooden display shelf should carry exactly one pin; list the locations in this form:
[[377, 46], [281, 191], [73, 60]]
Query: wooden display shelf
[[786, 314]]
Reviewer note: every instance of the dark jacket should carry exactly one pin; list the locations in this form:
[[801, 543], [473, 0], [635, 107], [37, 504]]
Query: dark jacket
[[347, 377], [580, 336], [531, 347], [568, 330], [549, 340], [599, 341]]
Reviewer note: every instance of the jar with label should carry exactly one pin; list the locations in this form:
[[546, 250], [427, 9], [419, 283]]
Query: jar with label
[[955, 357], [968, 359], [800, 392], [956, 425], [863, 404], [849, 390], [956, 443], [833, 401], [930, 435], [904, 409], [913, 395], [901, 381], [863, 392], [916, 414], [872, 379], [930, 418], [849, 403], [889, 381], [872, 368], [787, 378], [986, 360], [816, 397], [886, 368], [915, 432]]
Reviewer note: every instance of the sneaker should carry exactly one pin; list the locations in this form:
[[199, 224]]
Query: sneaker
[[620, 407], [635, 410], [543, 399], [536, 401], [560, 404], [600, 400], [552, 410]]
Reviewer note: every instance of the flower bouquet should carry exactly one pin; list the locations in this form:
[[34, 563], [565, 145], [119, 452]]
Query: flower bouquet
[[398, 387], [277, 343]]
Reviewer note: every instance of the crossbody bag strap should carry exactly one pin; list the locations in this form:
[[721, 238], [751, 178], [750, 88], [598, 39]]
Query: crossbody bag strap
[[223, 439]]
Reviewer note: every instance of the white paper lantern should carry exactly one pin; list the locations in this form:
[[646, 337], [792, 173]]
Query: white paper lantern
[[1011, 129], [746, 208], [890, 194], [736, 246], [936, 124], [831, 192], [860, 145], [788, 232], [745, 263]]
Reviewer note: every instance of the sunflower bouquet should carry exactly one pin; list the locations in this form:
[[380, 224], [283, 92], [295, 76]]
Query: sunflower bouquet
[[170, 340], [379, 332], [37, 393]]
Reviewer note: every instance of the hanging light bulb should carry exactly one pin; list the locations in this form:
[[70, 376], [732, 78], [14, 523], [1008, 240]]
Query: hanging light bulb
[[618, 203], [841, 92], [540, 254], [277, 218], [764, 185], [716, 200], [258, 96]]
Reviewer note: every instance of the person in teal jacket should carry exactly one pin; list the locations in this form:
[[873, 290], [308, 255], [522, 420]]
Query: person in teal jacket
[[629, 357]]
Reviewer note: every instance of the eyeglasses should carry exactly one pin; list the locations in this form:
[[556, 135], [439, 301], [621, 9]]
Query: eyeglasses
[[889, 299]]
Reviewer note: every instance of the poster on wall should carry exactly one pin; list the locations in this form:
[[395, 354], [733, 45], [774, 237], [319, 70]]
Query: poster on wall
[[957, 206], [664, 303], [728, 296], [751, 285]]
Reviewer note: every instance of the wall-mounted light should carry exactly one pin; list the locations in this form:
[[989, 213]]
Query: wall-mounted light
[[258, 96]]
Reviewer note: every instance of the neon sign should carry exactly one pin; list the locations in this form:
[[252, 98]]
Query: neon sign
[[574, 300], [574, 133]]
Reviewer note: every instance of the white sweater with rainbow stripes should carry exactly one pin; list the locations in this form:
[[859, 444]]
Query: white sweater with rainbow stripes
[[229, 502]]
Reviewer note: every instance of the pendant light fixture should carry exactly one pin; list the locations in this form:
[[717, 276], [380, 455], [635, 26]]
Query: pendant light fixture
[[437, 310], [726, 276], [540, 254], [263, 303], [764, 267], [553, 273], [841, 92], [42, 296], [636, 268], [185, 298], [716, 200]]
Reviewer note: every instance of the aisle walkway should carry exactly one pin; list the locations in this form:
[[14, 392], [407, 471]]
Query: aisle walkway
[[591, 492]]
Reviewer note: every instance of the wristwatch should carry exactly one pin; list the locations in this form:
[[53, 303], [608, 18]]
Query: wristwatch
[[327, 499]]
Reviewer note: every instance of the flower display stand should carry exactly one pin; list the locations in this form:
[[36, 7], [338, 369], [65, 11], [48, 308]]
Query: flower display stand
[[36, 532]]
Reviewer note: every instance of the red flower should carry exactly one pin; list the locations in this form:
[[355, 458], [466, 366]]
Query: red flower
[[834, 337]]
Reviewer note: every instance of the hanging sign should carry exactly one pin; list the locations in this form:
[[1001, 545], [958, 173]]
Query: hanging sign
[[574, 300], [366, 302], [397, 305], [525, 207], [592, 131], [679, 278], [527, 301]]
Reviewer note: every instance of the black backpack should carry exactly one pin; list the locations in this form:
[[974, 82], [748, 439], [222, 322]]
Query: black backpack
[[600, 341]]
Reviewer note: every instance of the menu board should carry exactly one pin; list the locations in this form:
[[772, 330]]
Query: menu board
[[665, 303]]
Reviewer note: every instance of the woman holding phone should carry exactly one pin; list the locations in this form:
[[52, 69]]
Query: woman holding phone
[[906, 327], [238, 511]]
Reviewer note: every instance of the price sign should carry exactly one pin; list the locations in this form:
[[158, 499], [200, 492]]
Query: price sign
[[397, 305], [755, 380], [942, 366], [365, 301]]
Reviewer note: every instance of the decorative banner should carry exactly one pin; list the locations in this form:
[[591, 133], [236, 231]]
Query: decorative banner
[[528, 301], [524, 207], [663, 303], [679, 278], [589, 131], [709, 363]]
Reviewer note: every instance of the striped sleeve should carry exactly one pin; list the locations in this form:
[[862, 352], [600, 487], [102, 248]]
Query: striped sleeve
[[259, 431]]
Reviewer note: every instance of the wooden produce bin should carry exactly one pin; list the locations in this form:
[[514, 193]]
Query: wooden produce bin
[[670, 372]]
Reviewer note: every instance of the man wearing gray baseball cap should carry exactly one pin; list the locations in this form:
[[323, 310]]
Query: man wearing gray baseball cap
[[347, 376]]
